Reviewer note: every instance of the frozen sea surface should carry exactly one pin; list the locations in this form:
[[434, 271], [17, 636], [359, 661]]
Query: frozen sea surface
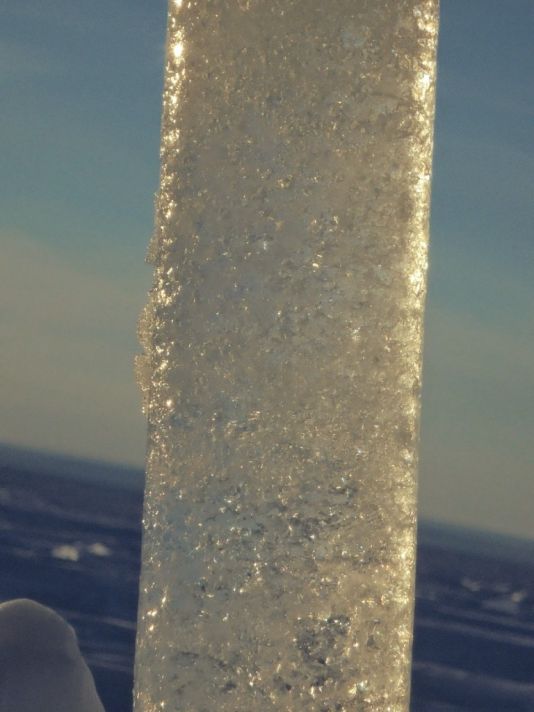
[[70, 538]]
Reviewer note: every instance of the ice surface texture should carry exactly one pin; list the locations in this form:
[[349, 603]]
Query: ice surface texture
[[283, 356]]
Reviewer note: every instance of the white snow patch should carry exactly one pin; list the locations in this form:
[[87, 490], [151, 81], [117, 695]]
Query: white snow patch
[[66, 552], [98, 549]]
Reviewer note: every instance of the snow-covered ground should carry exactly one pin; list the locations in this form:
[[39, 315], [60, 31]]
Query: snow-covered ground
[[74, 544]]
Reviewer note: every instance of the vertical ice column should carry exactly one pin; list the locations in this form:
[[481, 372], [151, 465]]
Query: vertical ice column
[[283, 356]]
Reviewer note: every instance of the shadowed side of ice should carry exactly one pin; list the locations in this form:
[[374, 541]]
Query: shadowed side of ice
[[41, 667]]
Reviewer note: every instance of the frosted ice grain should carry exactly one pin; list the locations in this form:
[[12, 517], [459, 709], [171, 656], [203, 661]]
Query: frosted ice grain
[[283, 355]]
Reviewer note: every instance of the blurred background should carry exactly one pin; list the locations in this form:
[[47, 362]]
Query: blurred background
[[81, 86]]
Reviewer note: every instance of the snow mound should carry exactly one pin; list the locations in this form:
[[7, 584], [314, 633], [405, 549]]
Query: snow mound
[[41, 667]]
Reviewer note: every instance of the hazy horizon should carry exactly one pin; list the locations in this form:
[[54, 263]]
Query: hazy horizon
[[82, 87]]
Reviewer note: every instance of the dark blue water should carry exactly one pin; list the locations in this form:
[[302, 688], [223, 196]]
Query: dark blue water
[[70, 538]]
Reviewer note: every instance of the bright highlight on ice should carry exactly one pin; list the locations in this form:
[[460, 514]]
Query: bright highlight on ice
[[178, 50]]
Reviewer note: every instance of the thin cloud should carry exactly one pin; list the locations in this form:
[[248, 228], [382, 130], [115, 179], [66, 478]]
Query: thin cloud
[[68, 341], [477, 422]]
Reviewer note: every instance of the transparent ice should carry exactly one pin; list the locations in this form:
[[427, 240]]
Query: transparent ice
[[282, 356]]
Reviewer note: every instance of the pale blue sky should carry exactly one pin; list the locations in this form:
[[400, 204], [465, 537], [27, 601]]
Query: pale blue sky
[[81, 86]]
